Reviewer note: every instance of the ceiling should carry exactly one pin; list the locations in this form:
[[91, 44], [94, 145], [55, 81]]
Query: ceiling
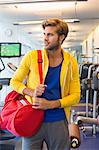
[[87, 12]]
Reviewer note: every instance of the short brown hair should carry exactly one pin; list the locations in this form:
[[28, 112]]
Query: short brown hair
[[62, 27]]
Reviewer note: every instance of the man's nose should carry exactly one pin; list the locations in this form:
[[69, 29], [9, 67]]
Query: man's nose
[[45, 37]]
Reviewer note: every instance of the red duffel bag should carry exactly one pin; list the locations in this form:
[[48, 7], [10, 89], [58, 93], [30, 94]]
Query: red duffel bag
[[18, 116]]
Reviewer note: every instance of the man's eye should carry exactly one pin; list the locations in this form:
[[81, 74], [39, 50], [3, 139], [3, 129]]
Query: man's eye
[[49, 35]]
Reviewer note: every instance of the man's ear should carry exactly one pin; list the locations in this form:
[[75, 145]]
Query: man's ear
[[61, 38]]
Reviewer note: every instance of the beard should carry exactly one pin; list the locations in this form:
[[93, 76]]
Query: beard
[[53, 46]]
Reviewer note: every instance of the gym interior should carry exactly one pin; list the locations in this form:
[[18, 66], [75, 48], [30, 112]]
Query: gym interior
[[20, 32]]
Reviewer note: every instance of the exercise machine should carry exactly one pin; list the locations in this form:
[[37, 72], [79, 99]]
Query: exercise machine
[[94, 120], [86, 86], [5, 136]]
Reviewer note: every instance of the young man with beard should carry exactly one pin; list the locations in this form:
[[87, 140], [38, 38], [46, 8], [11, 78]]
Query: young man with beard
[[59, 91]]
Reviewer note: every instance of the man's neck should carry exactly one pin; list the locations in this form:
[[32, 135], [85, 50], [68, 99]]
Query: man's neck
[[54, 53], [55, 57]]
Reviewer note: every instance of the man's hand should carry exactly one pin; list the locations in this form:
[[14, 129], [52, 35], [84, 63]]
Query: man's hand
[[42, 103], [39, 90]]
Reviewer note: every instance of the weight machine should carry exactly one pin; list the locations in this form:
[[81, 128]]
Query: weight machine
[[86, 79], [5, 136], [93, 121]]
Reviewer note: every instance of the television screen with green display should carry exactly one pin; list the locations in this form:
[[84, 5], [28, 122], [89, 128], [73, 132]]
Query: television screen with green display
[[10, 49]]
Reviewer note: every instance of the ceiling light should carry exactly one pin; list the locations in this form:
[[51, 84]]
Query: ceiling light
[[28, 22], [34, 1], [72, 20], [40, 21]]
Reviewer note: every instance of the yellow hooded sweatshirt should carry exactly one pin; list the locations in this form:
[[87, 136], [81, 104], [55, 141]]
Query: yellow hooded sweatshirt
[[69, 77]]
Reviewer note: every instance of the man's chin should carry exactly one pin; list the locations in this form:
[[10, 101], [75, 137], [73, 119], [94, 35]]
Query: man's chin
[[45, 46], [48, 49]]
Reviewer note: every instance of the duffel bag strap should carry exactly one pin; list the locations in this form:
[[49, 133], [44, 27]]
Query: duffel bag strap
[[40, 61]]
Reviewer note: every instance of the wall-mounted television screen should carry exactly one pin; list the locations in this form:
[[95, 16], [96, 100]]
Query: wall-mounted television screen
[[10, 49]]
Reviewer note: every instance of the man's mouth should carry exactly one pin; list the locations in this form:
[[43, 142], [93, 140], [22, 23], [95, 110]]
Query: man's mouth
[[46, 43]]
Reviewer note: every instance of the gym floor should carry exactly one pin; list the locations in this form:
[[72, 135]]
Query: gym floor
[[89, 143]]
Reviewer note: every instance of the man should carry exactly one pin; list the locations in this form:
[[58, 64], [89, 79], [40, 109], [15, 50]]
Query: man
[[59, 91]]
